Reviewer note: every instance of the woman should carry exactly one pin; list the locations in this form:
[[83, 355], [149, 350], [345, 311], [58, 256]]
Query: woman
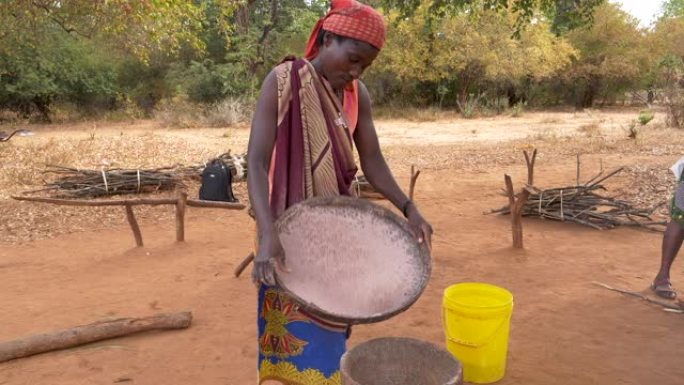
[[301, 146]]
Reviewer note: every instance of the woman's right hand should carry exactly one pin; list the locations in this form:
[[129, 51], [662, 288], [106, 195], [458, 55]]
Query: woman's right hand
[[270, 255]]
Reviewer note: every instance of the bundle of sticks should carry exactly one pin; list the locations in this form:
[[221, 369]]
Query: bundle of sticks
[[78, 183], [583, 205], [237, 164]]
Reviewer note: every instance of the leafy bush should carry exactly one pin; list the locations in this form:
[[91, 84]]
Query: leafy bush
[[65, 69], [470, 106], [645, 116], [517, 109], [207, 82]]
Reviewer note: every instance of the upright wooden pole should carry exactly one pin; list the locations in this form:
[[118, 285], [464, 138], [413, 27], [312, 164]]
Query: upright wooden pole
[[530, 166], [180, 216], [516, 221], [517, 203], [412, 184], [134, 225]]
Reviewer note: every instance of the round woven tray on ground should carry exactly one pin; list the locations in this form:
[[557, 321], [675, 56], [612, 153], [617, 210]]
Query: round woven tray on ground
[[399, 361], [351, 261]]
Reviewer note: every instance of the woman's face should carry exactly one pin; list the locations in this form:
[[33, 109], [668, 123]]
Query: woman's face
[[344, 59]]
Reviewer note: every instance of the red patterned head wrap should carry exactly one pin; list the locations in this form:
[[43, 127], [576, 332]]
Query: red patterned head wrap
[[349, 18]]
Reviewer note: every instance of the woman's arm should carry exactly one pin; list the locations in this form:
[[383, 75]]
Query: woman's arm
[[378, 173], [259, 151]]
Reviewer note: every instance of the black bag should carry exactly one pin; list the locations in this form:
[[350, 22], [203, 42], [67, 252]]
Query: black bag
[[216, 182]]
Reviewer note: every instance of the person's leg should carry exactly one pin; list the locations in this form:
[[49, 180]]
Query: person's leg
[[672, 242], [271, 382]]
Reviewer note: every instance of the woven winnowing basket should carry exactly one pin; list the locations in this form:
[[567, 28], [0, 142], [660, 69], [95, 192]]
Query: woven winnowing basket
[[351, 261]]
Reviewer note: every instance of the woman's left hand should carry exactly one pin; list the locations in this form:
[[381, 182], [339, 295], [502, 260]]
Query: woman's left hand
[[421, 228]]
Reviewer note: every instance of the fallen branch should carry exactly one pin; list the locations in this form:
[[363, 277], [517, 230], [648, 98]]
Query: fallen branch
[[85, 334], [676, 307]]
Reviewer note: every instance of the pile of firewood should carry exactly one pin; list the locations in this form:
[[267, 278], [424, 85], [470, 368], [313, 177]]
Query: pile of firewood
[[582, 204], [77, 183], [237, 164], [69, 182]]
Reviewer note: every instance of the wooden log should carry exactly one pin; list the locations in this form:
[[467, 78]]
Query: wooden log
[[243, 265], [215, 204], [84, 334], [119, 202], [134, 225], [180, 216]]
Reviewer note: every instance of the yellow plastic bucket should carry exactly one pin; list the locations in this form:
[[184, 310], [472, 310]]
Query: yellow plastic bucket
[[476, 319]]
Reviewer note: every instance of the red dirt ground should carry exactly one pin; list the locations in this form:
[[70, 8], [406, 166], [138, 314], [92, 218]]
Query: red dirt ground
[[565, 330]]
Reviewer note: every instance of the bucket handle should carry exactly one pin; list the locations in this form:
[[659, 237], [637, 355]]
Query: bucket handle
[[469, 343]]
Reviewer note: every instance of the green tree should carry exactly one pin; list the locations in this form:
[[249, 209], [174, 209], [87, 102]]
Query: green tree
[[135, 26], [611, 60], [267, 30], [673, 8], [564, 14], [53, 50], [66, 69], [464, 54]]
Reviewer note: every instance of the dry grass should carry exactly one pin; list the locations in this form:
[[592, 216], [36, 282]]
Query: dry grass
[[23, 163], [649, 186], [551, 120], [183, 114], [23, 160], [590, 130], [414, 114], [546, 133]]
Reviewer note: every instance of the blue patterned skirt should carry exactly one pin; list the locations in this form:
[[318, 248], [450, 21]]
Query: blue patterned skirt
[[295, 347]]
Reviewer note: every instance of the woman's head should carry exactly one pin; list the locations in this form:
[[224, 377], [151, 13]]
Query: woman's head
[[343, 59], [346, 40]]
